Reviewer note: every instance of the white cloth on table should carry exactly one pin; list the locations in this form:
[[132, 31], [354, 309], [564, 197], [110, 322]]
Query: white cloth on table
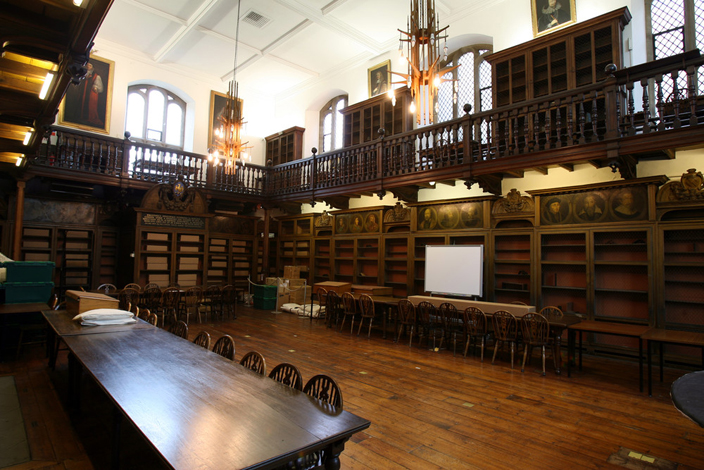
[[105, 316]]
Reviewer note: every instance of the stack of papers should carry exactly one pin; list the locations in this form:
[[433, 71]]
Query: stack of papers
[[105, 316]]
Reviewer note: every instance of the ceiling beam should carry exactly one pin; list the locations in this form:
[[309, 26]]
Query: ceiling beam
[[183, 31]]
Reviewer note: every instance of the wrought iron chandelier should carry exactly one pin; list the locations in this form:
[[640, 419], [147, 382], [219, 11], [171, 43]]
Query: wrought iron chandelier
[[423, 56], [228, 146]]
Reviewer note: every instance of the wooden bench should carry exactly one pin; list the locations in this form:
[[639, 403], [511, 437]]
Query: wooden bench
[[605, 328]]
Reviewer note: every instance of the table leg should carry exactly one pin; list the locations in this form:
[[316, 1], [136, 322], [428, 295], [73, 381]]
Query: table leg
[[662, 360], [570, 351], [640, 363], [650, 369], [116, 425], [580, 350]]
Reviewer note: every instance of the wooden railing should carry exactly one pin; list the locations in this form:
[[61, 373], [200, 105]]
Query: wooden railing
[[647, 100]]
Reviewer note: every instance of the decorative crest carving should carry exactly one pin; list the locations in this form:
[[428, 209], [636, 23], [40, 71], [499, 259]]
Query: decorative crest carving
[[323, 220], [690, 187], [398, 213], [514, 203], [177, 197]]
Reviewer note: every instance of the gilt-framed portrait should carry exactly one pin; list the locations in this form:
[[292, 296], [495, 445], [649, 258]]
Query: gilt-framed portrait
[[87, 105], [550, 15], [379, 78], [218, 102]]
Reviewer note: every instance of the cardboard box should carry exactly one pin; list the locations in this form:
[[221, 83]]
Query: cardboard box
[[293, 272], [79, 301], [373, 290], [339, 287]]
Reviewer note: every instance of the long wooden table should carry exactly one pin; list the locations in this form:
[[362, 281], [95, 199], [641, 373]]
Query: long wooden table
[[200, 410], [606, 328], [661, 336]]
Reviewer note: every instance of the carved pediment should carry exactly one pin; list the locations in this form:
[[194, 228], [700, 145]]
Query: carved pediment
[[175, 197], [513, 204], [690, 188], [398, 213]]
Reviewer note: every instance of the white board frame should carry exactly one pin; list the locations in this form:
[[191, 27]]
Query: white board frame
[[454, 270]]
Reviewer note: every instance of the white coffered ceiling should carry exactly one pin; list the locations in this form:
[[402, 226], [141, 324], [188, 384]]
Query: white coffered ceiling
[[299, 41]]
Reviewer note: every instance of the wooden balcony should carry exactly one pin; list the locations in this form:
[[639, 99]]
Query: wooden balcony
[[643, 112]]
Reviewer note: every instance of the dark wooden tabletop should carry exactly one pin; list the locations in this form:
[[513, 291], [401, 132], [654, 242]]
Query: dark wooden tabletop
[[23, 308], [200, 410], [63, 324], [620, 329], [690, 338]]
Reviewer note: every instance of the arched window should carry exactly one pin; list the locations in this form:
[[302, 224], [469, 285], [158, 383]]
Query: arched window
[[675, 26], [155, 115], [471, 85], [331, 124]]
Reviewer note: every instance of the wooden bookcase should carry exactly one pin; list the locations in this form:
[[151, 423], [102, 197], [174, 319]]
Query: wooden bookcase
[[682, 249], [295, 244], [285, 146], [621, 274], [396, 265], [37, 243], [367, 259], [322, 260], [107, 257], [512, 266], [363, 120], [563, 271], [560, 61]]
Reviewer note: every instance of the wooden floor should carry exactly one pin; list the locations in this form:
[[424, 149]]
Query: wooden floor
[[429, 410]]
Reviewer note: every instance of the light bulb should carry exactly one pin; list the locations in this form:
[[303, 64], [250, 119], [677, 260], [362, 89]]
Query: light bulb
[[436, 81], [390, 94], [412, 107]]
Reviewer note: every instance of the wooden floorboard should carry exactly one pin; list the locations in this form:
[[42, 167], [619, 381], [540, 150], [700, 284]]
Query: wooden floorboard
[[429, 410]]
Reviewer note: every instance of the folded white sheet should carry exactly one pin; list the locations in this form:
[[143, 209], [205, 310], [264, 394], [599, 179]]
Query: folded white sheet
[[105, 316]]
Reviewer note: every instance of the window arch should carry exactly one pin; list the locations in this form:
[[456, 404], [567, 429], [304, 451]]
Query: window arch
[[331, 124], [155, 115], [471, 83]]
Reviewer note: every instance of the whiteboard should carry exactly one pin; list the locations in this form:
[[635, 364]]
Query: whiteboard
[[454, 269]]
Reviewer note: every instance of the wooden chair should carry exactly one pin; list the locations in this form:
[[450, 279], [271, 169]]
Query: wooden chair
[[202, 339], [57, 339], [126, 298], [452, 324], [406, 312], [536, 333], [170, 299], [151, 299], [505, 331], [107, 288], [133, 285], [174, 284], [150, 285], [366, 310], [254, 361], [192, 302], [425, 311], [229, 302], [212, 301], [322, 296], [151, 317], [225, 346], [324, 388], [180, 329], [518, 302], [333, 306], [476, 328], [287, 374], [349, 305], [551, 312]]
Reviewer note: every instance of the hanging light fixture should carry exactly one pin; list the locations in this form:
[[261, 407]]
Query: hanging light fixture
[[228, 146], [423, 57]]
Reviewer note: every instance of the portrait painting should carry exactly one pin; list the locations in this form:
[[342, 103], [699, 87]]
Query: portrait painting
[[371, 222], [87, 105], [628, 203], [341, 224], [555, 210], [448, 216], [379, 78], [427, 219], [590, 207], [471, 215], [218, 101], [550, 15], [356, 224]]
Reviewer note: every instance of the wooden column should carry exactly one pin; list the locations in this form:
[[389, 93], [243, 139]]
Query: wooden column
[[19, 215]]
